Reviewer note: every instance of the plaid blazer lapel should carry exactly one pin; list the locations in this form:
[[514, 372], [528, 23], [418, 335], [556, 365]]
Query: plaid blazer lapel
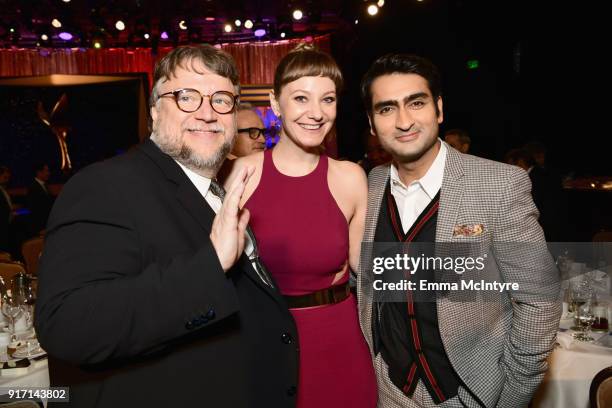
[[451, 195]]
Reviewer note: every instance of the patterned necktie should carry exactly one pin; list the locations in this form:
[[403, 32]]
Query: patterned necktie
[[261, 270]]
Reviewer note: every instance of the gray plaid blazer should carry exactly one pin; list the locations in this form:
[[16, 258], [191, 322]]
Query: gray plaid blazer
[[499, 349]]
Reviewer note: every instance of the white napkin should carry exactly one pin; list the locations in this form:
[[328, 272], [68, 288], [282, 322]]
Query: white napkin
[[565, 339]]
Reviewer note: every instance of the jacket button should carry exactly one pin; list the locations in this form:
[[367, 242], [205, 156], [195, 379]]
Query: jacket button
[[211, 314], [189, 326], [291, 391], [286, 338]]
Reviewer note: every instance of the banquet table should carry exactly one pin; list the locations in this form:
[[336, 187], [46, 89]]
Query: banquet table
[[572, 366], [37, 376]]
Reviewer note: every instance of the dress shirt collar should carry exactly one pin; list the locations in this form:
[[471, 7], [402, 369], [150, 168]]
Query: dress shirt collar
[[431, 182], [202, 183]]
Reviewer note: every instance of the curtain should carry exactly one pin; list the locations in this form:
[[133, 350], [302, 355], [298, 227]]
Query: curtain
[[256, 61]]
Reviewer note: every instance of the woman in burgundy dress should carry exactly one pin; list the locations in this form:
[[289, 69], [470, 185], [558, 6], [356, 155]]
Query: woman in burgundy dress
[[307, 211]]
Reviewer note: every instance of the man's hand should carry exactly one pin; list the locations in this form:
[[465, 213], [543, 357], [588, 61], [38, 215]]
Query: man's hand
[[228, 228]]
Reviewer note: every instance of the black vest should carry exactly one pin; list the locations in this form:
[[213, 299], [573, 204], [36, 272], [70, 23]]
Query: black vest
[[408, 332]]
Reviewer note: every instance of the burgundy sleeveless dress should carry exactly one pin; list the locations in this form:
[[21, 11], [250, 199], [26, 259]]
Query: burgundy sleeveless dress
[[303, 240]]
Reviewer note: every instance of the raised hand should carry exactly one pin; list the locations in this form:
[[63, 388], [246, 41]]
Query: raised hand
[[228, 228]]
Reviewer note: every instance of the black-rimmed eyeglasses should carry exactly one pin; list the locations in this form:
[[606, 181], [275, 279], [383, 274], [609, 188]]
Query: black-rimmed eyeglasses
[[254, 132], [189, 100]]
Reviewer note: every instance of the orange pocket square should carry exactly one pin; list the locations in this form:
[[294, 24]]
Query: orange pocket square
[[468, 230]]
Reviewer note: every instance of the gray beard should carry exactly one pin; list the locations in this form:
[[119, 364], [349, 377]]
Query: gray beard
[[183, 154]]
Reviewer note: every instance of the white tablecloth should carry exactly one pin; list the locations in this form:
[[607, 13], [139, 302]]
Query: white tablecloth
[[570, 373], [37, 376]]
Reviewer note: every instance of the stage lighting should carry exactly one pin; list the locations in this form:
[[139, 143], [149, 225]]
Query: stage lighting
[[182, 25], [372, 9], [56, 23], [120, 25], [227, 28], [297, 14], [248, 24]]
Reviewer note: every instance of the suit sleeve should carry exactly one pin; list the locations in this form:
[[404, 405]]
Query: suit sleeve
[[99, 300], [523, 258]]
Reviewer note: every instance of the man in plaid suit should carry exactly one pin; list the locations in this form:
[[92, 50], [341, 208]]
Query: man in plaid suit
[[451, 353]]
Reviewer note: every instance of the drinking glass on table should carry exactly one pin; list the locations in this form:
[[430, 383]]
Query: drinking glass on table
[[581, 302], [12, 308]]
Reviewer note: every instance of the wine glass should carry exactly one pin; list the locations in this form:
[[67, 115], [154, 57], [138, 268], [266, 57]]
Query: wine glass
[[11, 308]]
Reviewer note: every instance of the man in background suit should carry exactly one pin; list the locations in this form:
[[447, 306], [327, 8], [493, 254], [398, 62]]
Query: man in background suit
[[38, 200], [451, 353], [146, 296]]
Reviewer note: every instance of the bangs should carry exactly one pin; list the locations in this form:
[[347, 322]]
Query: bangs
[[298, 64]]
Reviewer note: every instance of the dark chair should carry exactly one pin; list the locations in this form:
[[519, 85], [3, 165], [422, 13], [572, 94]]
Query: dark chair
[[600, 394]]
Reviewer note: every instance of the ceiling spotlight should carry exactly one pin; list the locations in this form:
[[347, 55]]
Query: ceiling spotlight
[[356, 21], [237, 23], [372, 9], [44, 37], [56, 23], [147, 36], [97, 44], [297, 14], [164, 35], [248, 24], [120, 25], [380, 3], [227, 28], [12, 30], [182, 25], [66, 1], [260, 32], [283, 35], [66, 36]]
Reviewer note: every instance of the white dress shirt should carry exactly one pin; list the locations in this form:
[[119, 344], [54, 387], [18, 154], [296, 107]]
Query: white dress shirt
[[203, 185], [411, 200]]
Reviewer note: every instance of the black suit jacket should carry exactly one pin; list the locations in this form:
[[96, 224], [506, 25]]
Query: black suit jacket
[[39, 202], [135, 308]]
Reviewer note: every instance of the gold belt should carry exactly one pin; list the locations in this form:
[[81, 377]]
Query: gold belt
[[326, 296]]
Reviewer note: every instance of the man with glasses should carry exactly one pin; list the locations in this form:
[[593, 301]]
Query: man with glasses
[[151, 292], [250, 138]]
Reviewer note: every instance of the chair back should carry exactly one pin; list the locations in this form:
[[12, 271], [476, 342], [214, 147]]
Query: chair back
[[10, 269], [31, 250], [5, 256], [602, 236], [600, 394]]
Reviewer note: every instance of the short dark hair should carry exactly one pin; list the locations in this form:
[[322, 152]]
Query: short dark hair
[[463, 135], [515, 155], [401, 64], [214, 59], [39, 166]]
